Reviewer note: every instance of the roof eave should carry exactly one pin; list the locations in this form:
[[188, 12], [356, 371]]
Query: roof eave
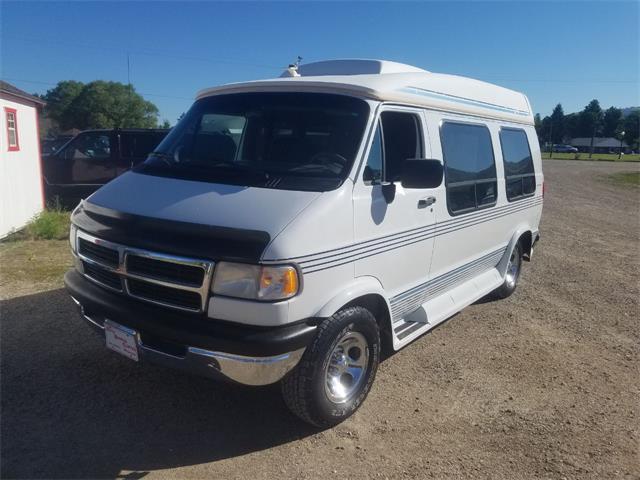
[[28, 98]]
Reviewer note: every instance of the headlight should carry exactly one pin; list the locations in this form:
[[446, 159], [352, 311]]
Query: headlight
[[72, 237], [255, 282]]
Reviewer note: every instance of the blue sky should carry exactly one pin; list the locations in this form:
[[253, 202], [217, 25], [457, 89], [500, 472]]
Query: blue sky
[[568, 52]]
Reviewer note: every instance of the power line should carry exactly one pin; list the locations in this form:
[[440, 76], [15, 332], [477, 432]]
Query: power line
[[218, 60], [144, 51], [221, 60], [39, 82]]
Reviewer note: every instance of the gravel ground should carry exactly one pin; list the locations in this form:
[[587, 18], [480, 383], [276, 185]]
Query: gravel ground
[[544, 384]]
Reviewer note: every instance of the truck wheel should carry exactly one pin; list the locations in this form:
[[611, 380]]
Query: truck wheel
[[512, 275], [337, 370]]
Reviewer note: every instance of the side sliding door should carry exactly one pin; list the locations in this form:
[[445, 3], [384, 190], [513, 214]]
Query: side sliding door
[[470, 239]]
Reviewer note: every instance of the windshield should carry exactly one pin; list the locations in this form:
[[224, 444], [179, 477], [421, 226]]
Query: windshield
[[294, 141]]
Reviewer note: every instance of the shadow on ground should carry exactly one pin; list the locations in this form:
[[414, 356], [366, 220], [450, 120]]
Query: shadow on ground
[[70, 408]]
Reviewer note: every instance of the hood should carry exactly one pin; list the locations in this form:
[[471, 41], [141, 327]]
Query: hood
[[212, 204], [190, 218]]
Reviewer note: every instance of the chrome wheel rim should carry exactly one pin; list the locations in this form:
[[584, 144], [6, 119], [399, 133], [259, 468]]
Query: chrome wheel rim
[[513, 268], [347, 367]]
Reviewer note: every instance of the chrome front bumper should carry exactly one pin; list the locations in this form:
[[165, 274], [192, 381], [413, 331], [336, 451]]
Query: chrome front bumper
[[238, 368]]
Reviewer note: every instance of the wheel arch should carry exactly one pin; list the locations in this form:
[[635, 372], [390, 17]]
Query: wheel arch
[[523, 236], [365, 292]]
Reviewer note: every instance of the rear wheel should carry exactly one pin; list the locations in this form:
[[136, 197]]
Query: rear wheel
[[512, 275], [337, 370]]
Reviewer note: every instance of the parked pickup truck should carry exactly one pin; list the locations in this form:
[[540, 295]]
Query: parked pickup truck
[[93, 158]]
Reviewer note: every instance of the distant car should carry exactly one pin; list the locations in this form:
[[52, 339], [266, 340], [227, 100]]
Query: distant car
[[93, 158], [564, 149]]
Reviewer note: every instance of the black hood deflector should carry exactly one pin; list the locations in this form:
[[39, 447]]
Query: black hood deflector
[[170, 236]]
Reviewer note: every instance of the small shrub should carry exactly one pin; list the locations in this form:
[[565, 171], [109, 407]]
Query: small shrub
[[49, 225]]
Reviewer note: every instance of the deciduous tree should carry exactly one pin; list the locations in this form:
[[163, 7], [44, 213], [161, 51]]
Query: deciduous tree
[[537, 121], [59, 99], [611, 122], [99, 104], [631, 126], [571, 125], [591, 122], [557, 124]]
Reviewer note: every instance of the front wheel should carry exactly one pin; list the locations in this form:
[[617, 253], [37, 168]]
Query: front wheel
[[512, 275], [337, 370]]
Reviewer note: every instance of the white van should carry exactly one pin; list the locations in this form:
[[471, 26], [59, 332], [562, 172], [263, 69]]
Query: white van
[[289, 229]]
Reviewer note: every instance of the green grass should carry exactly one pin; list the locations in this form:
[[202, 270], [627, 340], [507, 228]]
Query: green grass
[[51, 224], [603, 157], [626, 178]]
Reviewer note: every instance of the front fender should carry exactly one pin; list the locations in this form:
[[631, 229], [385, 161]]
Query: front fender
[[360, 287]]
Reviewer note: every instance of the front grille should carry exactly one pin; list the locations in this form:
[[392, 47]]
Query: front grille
[[177, 282], [103, 276], [93, 251], [166, 295], [166, 271]]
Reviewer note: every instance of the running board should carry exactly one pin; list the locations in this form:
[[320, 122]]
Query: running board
[[445, 305]]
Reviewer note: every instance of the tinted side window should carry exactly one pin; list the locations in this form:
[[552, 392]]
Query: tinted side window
[[91, 145], [470, 169], [518, 164], [137, 145], [396, 139], [401, 134]]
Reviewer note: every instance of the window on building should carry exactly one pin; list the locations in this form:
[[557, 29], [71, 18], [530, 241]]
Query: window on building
[[519, 175], [397, 138], [470, 169], [12, 129]]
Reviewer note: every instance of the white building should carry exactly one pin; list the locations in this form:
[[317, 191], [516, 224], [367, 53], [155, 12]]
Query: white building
[[21, 193]]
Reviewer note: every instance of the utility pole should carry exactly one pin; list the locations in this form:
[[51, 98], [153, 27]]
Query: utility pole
[[129, 85], [550, 138], [621, 138]]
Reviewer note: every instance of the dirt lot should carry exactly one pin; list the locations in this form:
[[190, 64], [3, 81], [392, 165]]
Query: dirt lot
[[544, 384]]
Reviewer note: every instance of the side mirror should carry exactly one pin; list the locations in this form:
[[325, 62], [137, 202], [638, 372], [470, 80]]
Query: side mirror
[[421, 173], [388, 191]]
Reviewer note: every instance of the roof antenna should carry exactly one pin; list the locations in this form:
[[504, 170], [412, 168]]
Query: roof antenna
[[292, 70]]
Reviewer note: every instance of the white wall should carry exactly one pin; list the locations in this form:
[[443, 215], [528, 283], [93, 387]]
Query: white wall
[[20, 177]]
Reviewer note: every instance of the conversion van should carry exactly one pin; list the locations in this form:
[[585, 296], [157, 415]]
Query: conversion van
[[287, 230]]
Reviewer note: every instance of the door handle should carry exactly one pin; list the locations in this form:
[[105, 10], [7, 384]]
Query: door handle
[[426, 202]]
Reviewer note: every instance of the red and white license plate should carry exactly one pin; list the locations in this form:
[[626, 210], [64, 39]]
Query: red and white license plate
[[121, 339]]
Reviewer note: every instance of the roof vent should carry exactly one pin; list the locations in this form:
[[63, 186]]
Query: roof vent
[[352, 67]]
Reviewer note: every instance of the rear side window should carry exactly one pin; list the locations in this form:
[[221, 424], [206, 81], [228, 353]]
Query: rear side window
[[519, 175], [470, 169]]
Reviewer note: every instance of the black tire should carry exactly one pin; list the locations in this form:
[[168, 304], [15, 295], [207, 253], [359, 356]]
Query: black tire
[[304, 389], [511, 278]]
